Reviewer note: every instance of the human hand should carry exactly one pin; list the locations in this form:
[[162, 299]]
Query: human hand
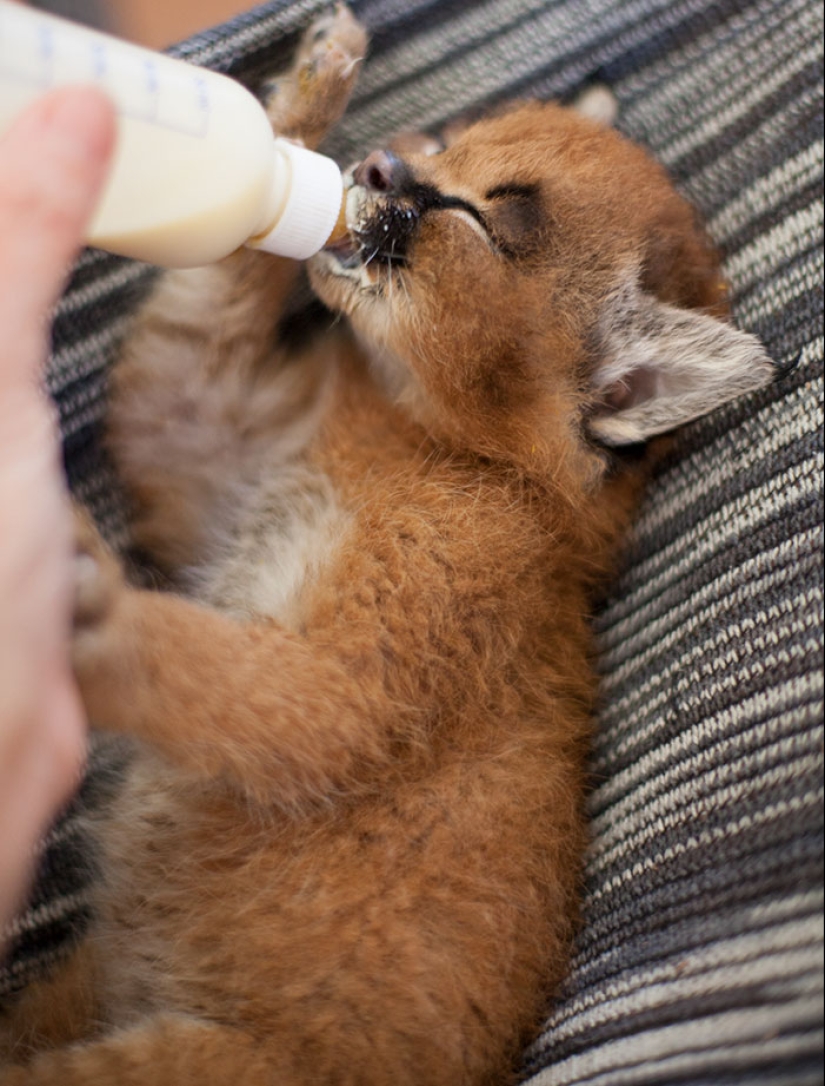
[[53, 162]]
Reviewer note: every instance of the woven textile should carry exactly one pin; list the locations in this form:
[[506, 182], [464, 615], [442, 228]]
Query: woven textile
[[700, 958]]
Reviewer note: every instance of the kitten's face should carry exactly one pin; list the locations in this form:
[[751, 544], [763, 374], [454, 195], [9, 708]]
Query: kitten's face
[[477, 276]]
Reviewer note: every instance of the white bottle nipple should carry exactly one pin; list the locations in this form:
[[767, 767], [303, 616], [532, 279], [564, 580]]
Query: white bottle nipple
[[315, 191]]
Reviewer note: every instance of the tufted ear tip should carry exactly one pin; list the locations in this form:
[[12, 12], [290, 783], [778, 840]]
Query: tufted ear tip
[[660, 366]]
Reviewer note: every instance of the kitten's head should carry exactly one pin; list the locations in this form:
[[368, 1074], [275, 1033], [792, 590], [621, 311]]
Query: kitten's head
[[533, 286]]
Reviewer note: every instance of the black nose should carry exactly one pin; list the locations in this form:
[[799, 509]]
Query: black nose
[[382, 171]]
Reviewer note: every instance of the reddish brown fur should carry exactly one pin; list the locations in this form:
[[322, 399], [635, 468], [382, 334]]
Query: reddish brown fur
[[348, 850]]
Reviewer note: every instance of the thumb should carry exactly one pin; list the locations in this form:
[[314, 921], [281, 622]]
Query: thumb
[[53, 162]]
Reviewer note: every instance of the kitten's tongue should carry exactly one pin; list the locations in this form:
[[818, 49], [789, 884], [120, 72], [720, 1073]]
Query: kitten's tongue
[[346, 252], [341, 241], [340, 231]]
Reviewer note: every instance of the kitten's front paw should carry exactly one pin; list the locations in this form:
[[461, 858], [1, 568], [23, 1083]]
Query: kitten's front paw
[[310, 99], [98, 583]]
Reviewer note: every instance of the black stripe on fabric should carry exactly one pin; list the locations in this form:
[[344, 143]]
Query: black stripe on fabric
[[788, 202], [390, 25], [741, 482], [681, 1008], [50, 938], [604, 958], [77, 324], [571, 62], [710, 23], [659, 953], [730, 487], [622, 64], [711, 1067], [794, 98], [737, 579], [707, 815], [706, 699], [71, 331], [758, 743], [768, 860], [805, 1070], [66, 868], [250, 60], [754, 21], [84, 398], [93, 264], [707, 1056], [788, 330], [83, 447], [90, 472], [690, 681], [732, 167], [755, 748], [798, 718]]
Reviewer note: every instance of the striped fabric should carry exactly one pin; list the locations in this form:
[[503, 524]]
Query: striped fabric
[[700, 958]]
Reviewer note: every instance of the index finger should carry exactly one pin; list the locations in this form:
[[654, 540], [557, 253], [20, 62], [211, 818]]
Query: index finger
[[53, 162]]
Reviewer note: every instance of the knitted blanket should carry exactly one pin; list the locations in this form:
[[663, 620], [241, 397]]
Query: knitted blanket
[[700, 957]]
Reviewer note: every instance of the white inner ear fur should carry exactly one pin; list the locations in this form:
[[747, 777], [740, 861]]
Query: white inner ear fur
[[659, 366]]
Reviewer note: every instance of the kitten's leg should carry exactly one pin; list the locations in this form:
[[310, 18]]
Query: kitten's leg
[[311, 100], [164, 1051], [246, 704], [200, 384]]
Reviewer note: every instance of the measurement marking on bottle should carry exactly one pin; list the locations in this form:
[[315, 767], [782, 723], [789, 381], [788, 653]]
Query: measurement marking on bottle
[[45, 57]]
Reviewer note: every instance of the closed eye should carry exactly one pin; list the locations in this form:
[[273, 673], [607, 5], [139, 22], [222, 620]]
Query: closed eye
[[517, 218], [513, 191], [455, 203], [514, 225], [473, 218], [481, 225]]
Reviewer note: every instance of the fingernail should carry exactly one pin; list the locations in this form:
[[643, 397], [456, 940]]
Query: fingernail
[[80, 120]]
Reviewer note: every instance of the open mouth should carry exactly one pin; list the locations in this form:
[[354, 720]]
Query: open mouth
[[345, 251]]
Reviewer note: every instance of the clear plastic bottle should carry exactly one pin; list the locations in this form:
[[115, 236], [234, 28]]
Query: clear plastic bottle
[[197, 171]]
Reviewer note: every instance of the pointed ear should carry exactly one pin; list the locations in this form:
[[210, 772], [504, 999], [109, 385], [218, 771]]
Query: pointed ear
[[659, 366]]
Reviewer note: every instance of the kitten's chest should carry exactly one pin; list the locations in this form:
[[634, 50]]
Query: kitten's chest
[[273, 547]]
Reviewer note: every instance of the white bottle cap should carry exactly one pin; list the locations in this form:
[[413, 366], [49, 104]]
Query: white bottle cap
[[313, 203]]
